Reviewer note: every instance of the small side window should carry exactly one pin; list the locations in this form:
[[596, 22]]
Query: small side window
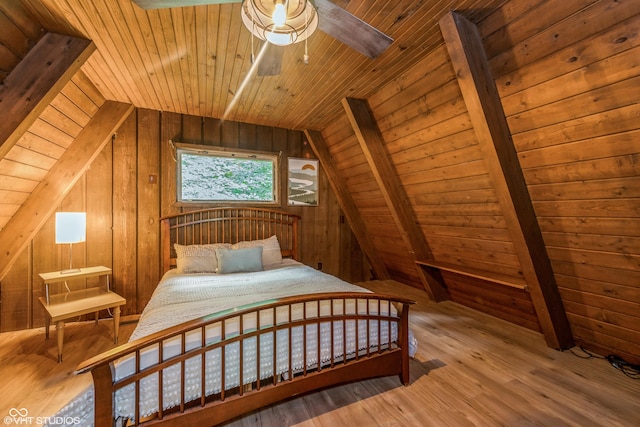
[[219, 175]]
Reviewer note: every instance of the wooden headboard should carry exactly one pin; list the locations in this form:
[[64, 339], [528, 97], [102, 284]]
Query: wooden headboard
[[228, 225]]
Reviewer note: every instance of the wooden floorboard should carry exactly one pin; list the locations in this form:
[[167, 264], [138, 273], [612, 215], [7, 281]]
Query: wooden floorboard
[[32, 378], [470, 370]]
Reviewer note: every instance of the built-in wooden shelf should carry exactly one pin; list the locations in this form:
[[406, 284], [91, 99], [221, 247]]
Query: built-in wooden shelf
[[502, 279]]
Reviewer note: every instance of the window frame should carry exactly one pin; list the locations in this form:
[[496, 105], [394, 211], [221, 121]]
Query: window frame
[[227, 152]]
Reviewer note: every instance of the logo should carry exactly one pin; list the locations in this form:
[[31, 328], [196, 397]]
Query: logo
[[20, 416]]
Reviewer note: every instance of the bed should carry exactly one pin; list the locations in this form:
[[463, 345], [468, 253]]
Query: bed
[[257, 327]]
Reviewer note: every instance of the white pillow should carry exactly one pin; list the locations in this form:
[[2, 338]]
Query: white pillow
[[241, 260], [271, 252], [197, 258]]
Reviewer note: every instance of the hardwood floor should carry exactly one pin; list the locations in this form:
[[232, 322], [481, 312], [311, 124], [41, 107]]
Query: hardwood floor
[[32, 378], [470, 370]]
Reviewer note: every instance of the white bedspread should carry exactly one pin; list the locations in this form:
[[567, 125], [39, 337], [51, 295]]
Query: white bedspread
[[180, 298]]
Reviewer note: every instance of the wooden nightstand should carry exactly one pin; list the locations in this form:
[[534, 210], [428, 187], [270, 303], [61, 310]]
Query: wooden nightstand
[[66, 305]]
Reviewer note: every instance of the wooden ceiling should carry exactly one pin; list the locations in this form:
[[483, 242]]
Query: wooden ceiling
[[196, 60]]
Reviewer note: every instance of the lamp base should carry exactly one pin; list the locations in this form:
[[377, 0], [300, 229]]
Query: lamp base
[[70, 271]]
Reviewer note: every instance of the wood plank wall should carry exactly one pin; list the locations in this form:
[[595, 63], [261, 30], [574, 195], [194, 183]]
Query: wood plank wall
[[132, 183], [570, 89], [22, 169], [35, 153], [348, 158], [568, 77], [430, 141], [433, 147]]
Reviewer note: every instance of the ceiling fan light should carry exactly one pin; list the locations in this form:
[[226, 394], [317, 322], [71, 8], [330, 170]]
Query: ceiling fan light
[[301, 20], [279, 15], [280, 38]]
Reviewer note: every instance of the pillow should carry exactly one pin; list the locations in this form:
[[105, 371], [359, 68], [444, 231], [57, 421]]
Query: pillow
[[197, 258], [271, 252], [239, 260]]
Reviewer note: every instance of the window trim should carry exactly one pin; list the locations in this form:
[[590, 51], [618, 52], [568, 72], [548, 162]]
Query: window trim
[[230, 153]]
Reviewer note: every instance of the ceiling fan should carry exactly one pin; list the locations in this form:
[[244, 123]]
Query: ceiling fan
[[283, 22]]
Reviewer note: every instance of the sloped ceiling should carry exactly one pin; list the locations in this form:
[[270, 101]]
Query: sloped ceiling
[[196, 60]]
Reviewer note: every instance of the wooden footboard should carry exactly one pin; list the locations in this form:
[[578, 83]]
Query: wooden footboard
[[248, 343]]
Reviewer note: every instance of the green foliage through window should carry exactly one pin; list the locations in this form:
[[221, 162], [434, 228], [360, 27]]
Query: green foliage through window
[[217, 176]]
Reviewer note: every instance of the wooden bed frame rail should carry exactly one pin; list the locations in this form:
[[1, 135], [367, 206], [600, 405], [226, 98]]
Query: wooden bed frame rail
[[375, 359]]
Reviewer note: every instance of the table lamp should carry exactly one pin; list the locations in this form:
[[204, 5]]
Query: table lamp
[[71, 227]]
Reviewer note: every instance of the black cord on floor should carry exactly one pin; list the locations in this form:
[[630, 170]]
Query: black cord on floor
[[630, 370], [587, 354]]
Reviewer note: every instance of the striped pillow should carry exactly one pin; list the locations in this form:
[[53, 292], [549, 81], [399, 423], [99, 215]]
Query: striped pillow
[[197, 258]]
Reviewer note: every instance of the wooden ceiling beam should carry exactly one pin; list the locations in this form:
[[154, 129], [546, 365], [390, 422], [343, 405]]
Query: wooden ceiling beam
[[347, 204], [35, 81], [44, 199], [372, 145], [481, 97]]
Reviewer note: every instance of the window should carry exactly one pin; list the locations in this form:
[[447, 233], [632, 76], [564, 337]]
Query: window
[[222, 175]]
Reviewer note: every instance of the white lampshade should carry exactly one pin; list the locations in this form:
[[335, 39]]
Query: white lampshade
[[71, 227]]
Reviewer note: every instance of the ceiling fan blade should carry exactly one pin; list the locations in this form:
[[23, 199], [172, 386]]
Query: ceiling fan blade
[[161, 4], [271, 60], [351, 30]]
